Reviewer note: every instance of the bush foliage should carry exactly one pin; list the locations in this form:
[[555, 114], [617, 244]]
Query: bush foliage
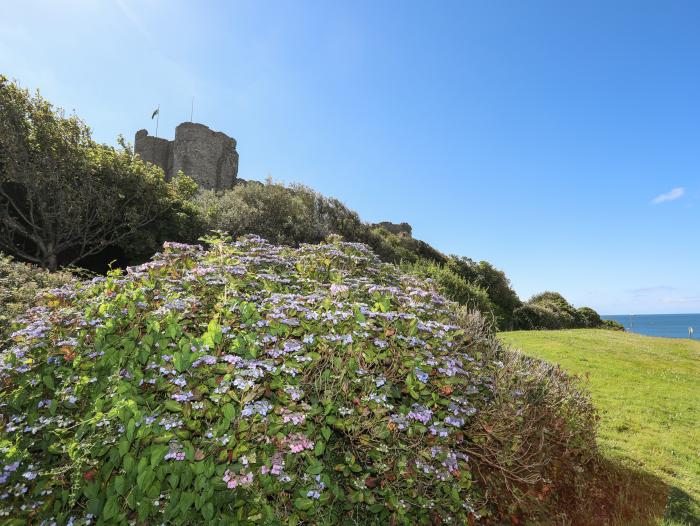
[[253, 383], [20, 285], [494, 282], [550, 310], [451, 285], [297, 214]]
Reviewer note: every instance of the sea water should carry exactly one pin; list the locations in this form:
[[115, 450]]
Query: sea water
[[666, 325]]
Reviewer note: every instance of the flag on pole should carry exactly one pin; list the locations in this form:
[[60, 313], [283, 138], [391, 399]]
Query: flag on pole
[[155, 112]]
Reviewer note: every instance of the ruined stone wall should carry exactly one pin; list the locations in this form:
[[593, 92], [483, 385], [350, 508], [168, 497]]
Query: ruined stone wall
[[154, 150], [207, 156]]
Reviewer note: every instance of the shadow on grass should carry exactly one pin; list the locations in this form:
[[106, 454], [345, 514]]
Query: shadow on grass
[[682, 508], [625, 496]]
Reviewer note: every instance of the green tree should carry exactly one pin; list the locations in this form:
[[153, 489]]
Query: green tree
[[494, 282], [64, 197]]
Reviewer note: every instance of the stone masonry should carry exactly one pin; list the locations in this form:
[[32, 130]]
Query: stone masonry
[[209, 157]]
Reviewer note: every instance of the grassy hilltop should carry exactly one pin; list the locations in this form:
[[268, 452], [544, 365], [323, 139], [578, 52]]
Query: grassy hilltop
[[646, 390]]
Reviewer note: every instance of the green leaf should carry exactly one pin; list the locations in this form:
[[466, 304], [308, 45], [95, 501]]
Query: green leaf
[[120, 484], [111, 508], [179, 362], [128, 463], [208, 511], [131, 500], [186, 501], [124, 446], [48, 381], [228, 411], [144, 509], [91, 491], [326, 432], [130, 429], [172, 405], [172, 330], [303, 503], [145, 479], [186, 478], [157, 454], [142, 465], [154, 490], [315, 468], [143, 356], [94, 506], [200, 483], [320, 448]]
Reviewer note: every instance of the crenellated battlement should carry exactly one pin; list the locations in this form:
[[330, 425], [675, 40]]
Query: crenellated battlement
[[207, 156]]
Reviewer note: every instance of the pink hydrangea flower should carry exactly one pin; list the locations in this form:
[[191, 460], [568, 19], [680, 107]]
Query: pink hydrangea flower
[[298, 443], [233, 481]]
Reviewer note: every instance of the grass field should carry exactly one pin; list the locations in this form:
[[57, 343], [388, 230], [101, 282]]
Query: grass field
[[647, 391]]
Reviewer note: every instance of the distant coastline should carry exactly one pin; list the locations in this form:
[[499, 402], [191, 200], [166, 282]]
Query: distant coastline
[[664, 325]]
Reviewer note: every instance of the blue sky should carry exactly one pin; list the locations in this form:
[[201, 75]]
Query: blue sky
[[558, 140]]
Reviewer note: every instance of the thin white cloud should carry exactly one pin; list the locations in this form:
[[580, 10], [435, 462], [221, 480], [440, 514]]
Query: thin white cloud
[[646, 291], [674, 194], [683, 300], [134, 18]]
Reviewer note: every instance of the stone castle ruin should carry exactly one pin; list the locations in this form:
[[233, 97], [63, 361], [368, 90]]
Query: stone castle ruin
[[209, 157]]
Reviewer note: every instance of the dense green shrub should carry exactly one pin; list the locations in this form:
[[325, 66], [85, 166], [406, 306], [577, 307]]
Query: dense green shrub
[[258, 384], [565, 313], [535, 317], [479, 326], [550, 310], [20, 286], [396, 248], [612, 325], [451, 285], [282, 215], [589, 318], [494, 282], [297, 214], [537, 440], [538, 437]]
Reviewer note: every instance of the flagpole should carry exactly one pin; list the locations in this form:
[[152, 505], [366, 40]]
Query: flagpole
[[157, 120], [192, 110]]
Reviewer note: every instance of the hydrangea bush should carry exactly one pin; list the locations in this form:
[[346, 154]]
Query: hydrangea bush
[[244, 384], [20, 284]]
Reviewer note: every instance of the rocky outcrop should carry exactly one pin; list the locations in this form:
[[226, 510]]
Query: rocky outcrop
[[207, 156]]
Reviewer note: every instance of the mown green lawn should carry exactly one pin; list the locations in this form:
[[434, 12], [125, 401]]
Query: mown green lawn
[[648, 393]]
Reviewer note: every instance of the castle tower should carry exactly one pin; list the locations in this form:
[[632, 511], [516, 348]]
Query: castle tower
[[209, 157]]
